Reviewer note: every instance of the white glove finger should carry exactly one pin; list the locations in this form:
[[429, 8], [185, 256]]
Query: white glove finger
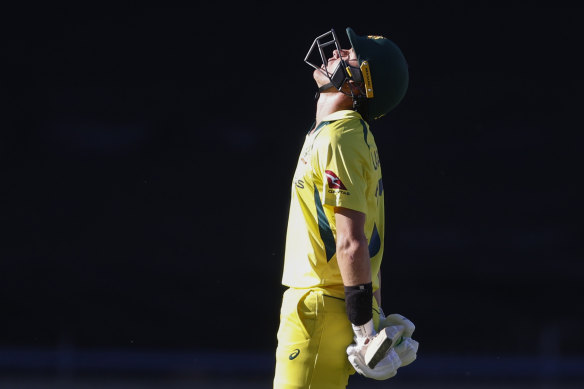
[[356, 355], [397, 319], [353, 349], [357, 365], [385, 369], [407, 351], [391, 361]]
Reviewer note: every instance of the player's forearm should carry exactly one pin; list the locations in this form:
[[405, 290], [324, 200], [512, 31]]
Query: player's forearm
[[353, 259], [354, 265]]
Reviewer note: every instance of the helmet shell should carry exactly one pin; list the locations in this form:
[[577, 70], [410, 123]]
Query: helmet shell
[[389, 71]]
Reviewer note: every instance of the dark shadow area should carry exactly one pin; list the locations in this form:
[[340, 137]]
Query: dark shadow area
[[147, 157]]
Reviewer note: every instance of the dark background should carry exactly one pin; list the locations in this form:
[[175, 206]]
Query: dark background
[[147, 156]]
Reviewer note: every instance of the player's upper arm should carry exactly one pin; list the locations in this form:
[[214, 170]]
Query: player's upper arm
[[352, 251], [350, 224]]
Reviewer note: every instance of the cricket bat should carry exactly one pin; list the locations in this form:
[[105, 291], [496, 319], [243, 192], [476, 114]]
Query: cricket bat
[[381, 343]]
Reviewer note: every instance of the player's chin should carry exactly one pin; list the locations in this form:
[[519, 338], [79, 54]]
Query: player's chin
[[320, 78]]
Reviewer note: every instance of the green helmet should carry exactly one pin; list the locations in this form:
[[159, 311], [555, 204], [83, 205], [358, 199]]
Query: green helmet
[[388, 78], [382, 72]]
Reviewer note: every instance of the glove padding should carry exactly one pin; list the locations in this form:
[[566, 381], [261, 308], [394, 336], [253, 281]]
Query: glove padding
[[364, 338], [406, 348]]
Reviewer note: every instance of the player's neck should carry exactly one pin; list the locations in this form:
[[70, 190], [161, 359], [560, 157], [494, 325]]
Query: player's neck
[[331, 102]]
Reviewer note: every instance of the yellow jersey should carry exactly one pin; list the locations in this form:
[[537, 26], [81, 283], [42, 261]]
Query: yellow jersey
[[338, 167]]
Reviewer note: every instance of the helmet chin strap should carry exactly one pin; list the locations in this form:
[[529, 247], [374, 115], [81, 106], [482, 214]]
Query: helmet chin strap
[[322, 89], [326, 87], [337, 79], [358, 100], [341, 75]]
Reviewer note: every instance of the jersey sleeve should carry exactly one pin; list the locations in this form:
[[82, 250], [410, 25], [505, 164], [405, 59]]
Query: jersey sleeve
[[343, 163]]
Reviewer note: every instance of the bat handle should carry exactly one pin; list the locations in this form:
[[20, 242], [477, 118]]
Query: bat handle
[[387, 338]]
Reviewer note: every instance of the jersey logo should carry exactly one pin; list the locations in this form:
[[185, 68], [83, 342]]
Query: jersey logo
[[294, 354], [334, 182]]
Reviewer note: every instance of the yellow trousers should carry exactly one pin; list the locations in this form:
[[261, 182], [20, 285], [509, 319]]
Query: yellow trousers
[[312, 340]]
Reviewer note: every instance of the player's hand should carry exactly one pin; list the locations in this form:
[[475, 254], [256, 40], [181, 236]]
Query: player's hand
[[371, 355], [406, 348]]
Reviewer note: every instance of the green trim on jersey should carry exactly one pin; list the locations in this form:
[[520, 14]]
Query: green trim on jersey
[[321, 125], [365, 133], [374, 242], [326, 234]]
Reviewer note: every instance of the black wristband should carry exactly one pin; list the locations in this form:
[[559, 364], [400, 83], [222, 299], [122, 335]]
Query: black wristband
[[358, 300]]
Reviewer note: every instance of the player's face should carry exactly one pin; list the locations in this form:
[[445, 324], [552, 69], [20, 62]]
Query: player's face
[[348, 56]]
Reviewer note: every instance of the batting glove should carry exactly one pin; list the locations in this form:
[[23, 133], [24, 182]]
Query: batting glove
[[371, 355], [406, 348]]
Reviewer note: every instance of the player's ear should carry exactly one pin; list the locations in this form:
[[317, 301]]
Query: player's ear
[[356, 88]]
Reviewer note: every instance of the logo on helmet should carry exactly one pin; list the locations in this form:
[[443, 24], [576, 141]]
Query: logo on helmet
[[366, 72]]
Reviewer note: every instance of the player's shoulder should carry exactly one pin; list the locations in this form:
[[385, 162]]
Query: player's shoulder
[[351, 130]]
